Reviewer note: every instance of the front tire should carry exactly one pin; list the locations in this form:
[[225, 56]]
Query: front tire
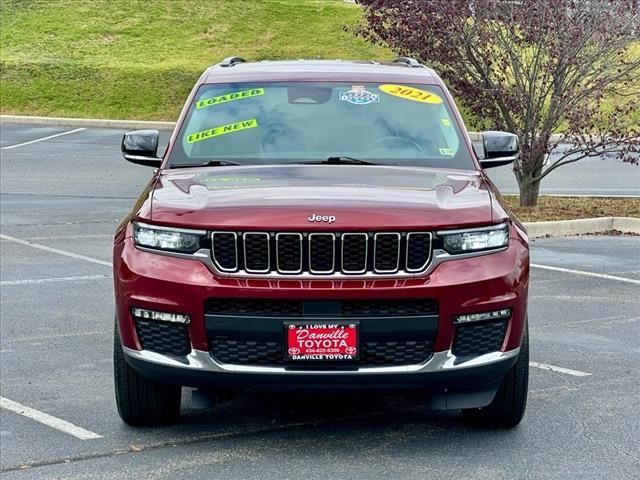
[[508, 407], [141, 401]]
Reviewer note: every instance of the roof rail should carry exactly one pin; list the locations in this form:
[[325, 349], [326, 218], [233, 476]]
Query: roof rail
[[408, 61], [231, 61]]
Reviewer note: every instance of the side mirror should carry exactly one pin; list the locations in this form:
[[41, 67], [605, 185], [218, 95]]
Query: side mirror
[[500, 148], [141, 147]]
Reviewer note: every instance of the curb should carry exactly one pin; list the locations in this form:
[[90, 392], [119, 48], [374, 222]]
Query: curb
[[129, 124], [582, 226], [85, 122]]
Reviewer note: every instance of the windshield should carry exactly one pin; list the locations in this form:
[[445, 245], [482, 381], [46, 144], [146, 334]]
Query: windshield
[[276, 123]]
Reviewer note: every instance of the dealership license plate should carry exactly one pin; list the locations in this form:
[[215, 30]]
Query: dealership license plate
[[331, 341]]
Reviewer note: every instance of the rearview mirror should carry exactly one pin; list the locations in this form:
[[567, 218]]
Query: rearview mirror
[[500, 148], [141, 147]]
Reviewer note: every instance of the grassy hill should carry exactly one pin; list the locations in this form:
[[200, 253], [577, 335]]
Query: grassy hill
[[139, 59]]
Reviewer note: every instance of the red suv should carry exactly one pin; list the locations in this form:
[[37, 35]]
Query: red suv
[[321, 225]]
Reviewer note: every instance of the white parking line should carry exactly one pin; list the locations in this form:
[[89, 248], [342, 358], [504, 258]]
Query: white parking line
[[53, 280], [42, 139], [55, 250], [553, 368], [48, 420], [587, 274]]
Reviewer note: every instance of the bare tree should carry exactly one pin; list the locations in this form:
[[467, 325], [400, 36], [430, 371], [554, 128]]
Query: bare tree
[[533, 67]]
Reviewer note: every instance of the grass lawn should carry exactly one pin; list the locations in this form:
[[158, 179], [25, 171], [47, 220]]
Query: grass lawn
[[138, 59], [569, 208]]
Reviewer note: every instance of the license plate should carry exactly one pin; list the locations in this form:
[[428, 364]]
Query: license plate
[[331, 341]]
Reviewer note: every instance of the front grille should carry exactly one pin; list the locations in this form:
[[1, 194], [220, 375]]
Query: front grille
[[297, 308], [260, 308], [479, 338], [163, 337], [250, 332], [389, 308], [372, 354], [326, 253]]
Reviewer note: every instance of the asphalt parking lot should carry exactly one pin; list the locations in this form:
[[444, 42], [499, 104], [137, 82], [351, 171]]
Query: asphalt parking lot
[[61, 200]]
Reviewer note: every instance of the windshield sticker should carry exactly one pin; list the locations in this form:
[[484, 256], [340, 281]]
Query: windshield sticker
[[222, 130], [229, 97], [358, 95], [410, 93], [446, 122], [449, 152]]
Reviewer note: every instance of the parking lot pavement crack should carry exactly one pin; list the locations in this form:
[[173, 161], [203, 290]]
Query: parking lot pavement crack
[[624, 452], [136, 449]]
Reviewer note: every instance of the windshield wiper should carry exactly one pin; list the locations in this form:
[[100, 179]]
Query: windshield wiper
[[348, 160], [338, 161], [208, 163], [218, 163]]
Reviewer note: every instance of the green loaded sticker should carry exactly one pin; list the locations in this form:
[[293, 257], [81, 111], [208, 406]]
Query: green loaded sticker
[[229, 97], [222, 130]]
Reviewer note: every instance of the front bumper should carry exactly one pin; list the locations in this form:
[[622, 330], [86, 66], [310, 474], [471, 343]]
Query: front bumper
[[445, 382], [467, 285]]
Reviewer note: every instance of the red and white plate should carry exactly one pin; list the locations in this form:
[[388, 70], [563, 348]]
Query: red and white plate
[[330, 341]]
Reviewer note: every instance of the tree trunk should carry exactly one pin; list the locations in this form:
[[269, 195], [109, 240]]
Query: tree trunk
[[528, 167], [529, 193]]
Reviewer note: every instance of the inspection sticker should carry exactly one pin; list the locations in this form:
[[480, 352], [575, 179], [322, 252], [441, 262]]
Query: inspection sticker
[[410, 93], [359, 95], [229, 97], [222, 130]]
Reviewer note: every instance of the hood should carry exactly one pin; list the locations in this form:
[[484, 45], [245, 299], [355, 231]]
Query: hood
[[350, 197]]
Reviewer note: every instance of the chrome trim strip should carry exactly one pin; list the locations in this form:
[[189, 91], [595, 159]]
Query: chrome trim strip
[[333, 253], [424, 265], [170, 229], [235, 247], [475, 229], [439, 256], [366, 253], [244, 249], [375, 252], [299, 235], [203, 361]]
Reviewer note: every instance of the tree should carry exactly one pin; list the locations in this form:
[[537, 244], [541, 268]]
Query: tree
[[532, 67]]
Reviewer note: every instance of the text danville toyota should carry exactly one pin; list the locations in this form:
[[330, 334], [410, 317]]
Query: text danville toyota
[[321, 225]]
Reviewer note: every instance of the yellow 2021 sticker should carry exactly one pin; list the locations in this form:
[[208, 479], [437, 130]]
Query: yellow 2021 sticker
[[410, 93], [229, 97], [222, 130]]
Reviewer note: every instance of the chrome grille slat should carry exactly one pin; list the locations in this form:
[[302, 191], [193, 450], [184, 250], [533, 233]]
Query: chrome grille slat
[[257, 252], [224, 250], [319, 246], [329, 254], [354, 253], [386, 252], [289, 252], [418, 248]]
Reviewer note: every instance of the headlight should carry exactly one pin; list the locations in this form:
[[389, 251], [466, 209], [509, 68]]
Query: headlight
[[476, 239], [165, 238]]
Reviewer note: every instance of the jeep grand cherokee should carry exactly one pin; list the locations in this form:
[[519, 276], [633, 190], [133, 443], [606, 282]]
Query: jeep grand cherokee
[[321, 225]]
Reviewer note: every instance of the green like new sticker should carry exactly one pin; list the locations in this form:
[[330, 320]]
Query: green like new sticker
[[222, 130]]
